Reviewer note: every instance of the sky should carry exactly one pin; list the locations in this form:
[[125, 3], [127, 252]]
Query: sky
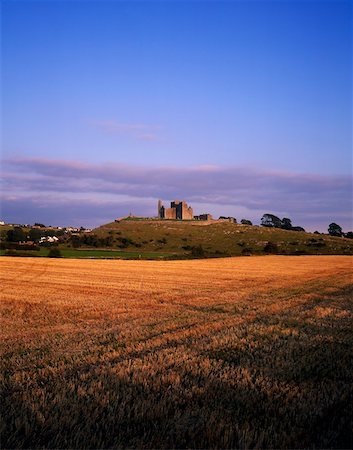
[[238, 107]]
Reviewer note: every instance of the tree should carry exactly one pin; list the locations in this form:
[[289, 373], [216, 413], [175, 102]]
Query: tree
[[269, 220], [334, 230], [16, 234], [35, 234], [76, 240], [286, 223], [349, 235], [40, 225], [246, 222]]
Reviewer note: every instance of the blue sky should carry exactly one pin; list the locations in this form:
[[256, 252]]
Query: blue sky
[[262, 89]]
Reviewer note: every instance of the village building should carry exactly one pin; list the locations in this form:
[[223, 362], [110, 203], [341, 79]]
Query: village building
[[48, 239]]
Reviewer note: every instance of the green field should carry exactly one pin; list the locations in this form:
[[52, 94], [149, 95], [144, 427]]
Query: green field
[[93, 253]]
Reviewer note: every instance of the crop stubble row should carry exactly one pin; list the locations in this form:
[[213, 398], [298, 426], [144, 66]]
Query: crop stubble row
[[236, 352]]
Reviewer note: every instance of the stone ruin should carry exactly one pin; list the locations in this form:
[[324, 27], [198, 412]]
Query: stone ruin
[[178, 210]]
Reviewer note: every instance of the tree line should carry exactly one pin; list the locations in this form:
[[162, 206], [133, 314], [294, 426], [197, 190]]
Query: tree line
[[272, 221]]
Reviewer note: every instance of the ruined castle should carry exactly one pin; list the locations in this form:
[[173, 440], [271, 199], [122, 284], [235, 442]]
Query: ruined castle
[[178, 210]]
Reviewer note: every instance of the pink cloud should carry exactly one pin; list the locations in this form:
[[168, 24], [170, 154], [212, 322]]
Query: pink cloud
[[148, 137], [304, 197]]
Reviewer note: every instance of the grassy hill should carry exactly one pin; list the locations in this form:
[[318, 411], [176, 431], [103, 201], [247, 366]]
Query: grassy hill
[[183, 239]]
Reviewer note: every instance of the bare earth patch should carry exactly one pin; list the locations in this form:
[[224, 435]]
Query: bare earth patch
[[223, 353]]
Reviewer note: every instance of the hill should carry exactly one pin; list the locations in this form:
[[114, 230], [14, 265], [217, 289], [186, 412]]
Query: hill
[[185, 239]]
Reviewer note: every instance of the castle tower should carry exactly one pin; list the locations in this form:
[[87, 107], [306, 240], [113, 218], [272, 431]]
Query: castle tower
[[159, 209], [179, 210]]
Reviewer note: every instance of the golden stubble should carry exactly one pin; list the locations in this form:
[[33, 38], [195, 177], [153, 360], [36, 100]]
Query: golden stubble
[[211, 345]]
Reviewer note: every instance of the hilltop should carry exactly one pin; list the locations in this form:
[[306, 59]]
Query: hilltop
[[198, 238]]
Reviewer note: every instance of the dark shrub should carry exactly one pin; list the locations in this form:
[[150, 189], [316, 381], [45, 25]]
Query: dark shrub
[[198, 251], [125, 242], [297, 229], [316, 243], [271, 248], [300, 252], [218, 253], [54, 252]]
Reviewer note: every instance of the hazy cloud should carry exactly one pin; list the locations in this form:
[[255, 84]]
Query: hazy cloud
[[64, 211], [139, 131], [111, 190]]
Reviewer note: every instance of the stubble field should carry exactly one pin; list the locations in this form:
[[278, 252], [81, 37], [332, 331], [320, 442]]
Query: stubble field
[[224, 353]]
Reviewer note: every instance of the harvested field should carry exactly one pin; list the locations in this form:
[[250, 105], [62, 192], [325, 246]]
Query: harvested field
[[222, 353]]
